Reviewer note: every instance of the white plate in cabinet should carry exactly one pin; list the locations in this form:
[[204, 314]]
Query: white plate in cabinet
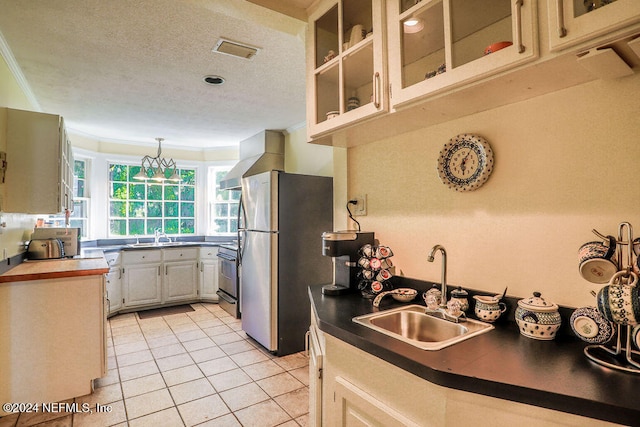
[[346, 64], [447, 48], [572, 23]]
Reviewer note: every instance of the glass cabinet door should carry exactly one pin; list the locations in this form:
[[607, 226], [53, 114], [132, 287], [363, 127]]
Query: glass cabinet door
[[347, 70], [438, 44], [577, 21]]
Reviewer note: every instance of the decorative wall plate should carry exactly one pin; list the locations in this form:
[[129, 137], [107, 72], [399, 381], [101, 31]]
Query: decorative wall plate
[[465, 162]]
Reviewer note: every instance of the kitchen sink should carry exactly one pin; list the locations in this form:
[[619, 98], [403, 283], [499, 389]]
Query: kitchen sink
[[412, 325], [158, 245]]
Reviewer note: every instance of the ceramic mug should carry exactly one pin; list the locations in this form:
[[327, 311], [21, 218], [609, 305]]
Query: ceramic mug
[[590, 325], [488, 308], [618, 302], [596, 261]]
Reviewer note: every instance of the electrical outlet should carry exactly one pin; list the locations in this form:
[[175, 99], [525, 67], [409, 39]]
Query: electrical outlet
[[360, 208]]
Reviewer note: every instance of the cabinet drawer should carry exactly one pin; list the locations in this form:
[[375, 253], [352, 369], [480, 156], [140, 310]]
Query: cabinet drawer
[[180, 254], [209, 252], [136, 257], [112, 258]]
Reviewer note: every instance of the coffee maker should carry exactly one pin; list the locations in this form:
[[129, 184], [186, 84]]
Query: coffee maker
[[343, 247]]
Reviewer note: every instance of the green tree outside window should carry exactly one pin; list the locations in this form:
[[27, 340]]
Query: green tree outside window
[[138, 208]]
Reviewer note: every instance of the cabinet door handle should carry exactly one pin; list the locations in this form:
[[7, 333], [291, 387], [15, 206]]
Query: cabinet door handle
[[562, 31], [376, 89], [159, 272], [519, 25], [306, 343]]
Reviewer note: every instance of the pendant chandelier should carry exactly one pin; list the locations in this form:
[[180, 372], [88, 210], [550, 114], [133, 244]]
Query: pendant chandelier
[[158, 166]]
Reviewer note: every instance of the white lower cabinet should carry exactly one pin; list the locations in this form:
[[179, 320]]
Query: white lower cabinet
[[142, 277], [208, 273], [114, 289], [180, 281], [359, 389], [113, 281], [315, 350], [153, 277], [53, 339]]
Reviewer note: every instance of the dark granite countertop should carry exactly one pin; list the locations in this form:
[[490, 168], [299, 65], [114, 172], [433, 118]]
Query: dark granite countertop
[[501, 363], [93, 250]]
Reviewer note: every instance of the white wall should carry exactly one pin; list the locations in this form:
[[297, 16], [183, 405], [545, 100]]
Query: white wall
[[565, 163]]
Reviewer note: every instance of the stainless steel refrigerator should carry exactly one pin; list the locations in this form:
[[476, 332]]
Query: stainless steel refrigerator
[[283, 218]]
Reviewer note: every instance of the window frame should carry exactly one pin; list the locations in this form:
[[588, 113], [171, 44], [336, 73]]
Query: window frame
[[212, 202], [164, 218]]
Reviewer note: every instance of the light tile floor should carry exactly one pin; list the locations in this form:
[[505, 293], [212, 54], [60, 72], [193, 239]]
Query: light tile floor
[[196, 368]]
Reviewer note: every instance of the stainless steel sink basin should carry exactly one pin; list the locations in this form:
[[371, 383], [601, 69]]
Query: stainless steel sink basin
[[412, 325], [143, 245], [157, 245]]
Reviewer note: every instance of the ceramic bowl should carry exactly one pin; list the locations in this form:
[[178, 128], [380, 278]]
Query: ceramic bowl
[[488, 308], [590, 325], [404, 294], [537, 318], [332, 114], [496, 47]]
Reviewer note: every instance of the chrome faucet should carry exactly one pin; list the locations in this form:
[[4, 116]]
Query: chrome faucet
[[443, 285], [159, 234], [443, 311]]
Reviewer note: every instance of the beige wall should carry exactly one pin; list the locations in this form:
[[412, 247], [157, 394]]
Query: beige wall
[[565, 163]]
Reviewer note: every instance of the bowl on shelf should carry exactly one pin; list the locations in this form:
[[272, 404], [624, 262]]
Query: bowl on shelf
[[496, 47], [404, 294], [332, 114]]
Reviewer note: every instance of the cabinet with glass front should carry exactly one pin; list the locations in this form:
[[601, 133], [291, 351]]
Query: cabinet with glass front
[[438, 45], [346, 64], [576, 21]]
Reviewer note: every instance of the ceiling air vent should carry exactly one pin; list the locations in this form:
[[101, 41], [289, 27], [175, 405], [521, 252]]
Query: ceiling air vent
[[240, 50]]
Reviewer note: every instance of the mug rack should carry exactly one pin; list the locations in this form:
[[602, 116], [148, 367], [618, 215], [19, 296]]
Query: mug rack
[[619, 356]]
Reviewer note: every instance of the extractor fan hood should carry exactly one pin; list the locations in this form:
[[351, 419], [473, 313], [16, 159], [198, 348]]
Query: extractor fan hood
[[261, 153]]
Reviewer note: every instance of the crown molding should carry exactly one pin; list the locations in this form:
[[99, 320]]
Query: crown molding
[[15, 69]]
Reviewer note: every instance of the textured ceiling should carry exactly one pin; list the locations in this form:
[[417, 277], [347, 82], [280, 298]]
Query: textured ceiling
[[129, 71]]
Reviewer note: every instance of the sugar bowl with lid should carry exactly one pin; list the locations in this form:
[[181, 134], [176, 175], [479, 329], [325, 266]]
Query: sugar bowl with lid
[[538, 318]]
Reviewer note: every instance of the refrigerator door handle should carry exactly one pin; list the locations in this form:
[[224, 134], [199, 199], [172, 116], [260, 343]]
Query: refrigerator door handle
[[242, 219]]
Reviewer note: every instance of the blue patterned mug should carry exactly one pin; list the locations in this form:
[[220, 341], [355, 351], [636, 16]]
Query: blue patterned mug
[[620, 302]]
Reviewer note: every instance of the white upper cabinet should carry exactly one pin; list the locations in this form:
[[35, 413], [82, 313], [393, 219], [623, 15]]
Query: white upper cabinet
[[575, 22], [439, 45], [39, 177], [346, 64]]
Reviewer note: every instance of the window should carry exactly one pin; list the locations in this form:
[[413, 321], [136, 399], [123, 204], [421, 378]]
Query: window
[[80, 215], [141, 207], [223, 204]]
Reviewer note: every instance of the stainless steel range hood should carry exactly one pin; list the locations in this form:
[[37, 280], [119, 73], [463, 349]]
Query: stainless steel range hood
[[261, 153]]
